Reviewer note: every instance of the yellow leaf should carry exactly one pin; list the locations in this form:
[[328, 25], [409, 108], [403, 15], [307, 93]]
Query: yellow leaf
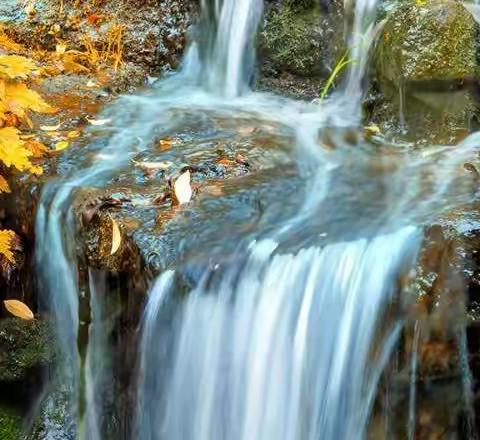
[[6, 243], [19, 98], [13, 151], [7, 43], [15, 66], [73, 134], [116, 237], [18, 309], [62, 145], [60, 48], [182, 189], [4, 187]]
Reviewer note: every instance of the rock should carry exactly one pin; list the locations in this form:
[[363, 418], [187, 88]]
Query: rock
[[301, 41], [426, 67], [10, 424], [24, 346], [432, 41]]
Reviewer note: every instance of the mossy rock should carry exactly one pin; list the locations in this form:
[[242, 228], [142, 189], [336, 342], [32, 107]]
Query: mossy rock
[[24, 345], [433, 40], [299, 39], [10, 424]]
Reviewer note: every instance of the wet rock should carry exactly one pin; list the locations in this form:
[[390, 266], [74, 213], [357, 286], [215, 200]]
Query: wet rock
[[24, 346], [426, 68], [152, 33], [298, 46], [10, 424]]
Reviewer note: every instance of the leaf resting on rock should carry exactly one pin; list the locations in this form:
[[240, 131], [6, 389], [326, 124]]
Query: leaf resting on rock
[[182, 189], [116, 237], [18, 309]]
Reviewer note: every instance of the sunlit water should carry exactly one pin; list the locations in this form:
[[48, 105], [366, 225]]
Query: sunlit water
[[284, 343]]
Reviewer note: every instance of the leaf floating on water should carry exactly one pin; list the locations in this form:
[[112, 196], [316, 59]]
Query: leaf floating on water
[[182, 189], [73, 134], [116, 237], [62, 145], [163, 165], [165, 144], [50, 127], [99, 121], [18, 309]]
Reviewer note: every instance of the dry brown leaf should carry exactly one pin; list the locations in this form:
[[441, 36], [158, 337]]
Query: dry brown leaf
[[4, 187], [15, 66], [116, 237], [18, 309], [182, 189]]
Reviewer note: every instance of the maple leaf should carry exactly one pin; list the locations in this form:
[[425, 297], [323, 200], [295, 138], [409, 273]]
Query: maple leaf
[[13, 151], [18, 98], [4, 187], [37, 148], [15, 66]]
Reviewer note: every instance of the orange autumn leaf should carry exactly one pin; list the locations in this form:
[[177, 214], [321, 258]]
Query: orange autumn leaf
[[4, 187], [6, 245], [37, 148]]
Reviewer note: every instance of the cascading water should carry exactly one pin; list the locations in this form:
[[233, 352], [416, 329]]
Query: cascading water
[[276, 348], [277, 344]]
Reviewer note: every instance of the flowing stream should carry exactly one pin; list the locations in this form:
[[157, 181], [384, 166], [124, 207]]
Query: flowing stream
[[283, 341]]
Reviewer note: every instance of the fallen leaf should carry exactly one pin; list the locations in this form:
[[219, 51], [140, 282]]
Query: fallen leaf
[[4, 187], [15, 66], [19, 98], [73, 134], [13, 151], [182, 189], [61, 145], [116, 237], [371, 130], [165, 144], [60, 48], [18, 309], [163, 165], [99, 121], [91, 83], [37, 148], [225, 162], [50, 127]]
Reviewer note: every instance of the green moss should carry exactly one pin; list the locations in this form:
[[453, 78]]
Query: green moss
[[23, 345], [292, 39], [10, 424], [435, 40]]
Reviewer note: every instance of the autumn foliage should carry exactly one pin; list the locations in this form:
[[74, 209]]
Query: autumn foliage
[[17, 150]]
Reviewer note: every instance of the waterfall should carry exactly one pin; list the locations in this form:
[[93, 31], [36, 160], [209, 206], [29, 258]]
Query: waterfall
[[279, 348], [231, 60]]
